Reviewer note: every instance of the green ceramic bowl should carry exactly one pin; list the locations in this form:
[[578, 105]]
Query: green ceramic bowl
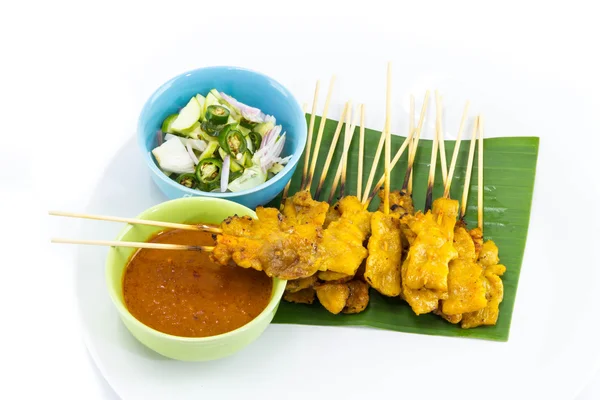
[[184, 210]]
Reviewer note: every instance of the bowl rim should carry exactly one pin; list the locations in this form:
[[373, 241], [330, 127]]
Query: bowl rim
[[297, 154], [276, 294]]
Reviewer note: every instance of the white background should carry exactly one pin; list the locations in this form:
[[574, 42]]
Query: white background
[[71, 72]]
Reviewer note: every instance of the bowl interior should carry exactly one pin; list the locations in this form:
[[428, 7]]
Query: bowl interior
[[184, 210], [247, 86]]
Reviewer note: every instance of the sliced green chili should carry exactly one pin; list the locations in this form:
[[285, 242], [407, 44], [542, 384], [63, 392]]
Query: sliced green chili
[[209, 170], [247, 124], [211, 129], [232, 141], [208, 187], [217, 115], [188, 180], [256, 140]]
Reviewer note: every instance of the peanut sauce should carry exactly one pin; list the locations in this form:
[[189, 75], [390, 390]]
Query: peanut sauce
[[184, 293]]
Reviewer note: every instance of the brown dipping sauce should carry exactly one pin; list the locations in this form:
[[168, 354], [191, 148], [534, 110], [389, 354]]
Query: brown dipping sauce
[[184, 293]]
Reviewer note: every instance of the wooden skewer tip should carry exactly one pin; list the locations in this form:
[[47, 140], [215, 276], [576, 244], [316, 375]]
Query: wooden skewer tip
[[137, 221], [139, 245], [311, 126], [313, 164]]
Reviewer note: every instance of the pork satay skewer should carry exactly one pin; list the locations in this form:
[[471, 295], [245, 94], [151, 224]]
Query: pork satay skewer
[[332, 148], [403, 201], [311, 171], [301, 290], [341, 251], [487, 259], [382, 268], [466, 288], [337, 288], [426, 268]]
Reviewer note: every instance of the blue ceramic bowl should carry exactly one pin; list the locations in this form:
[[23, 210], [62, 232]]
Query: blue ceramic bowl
[[247, 86]]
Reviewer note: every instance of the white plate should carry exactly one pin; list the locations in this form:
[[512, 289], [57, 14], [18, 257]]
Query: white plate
[[553, 347]]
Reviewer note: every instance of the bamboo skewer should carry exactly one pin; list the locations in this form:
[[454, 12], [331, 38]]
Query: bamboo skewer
[[286, 189], [348, 134], [139, 245], [136, 221], [455, 152], [430, 180], [374, 166], [411, 145], [480, 177], [440, 134], [311, 127], [361, 152], [388, 140], [392, 165], [338, 174], [407, 184], [413, 136], [332, 148], [465, 195], [315, 155], [284, 195]]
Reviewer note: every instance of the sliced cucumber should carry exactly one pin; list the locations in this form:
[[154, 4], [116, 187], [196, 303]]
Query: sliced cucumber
[[245, 131], [250, 145], [263, 127], [209, 151], [167, 124], [188, 116], [235, 167], [276, 168], [201, 100], [252, 177], [247, 159], [216, 93], [193, 132]]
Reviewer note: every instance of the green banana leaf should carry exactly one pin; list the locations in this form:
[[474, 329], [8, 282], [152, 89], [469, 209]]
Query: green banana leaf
[[509, 173]]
